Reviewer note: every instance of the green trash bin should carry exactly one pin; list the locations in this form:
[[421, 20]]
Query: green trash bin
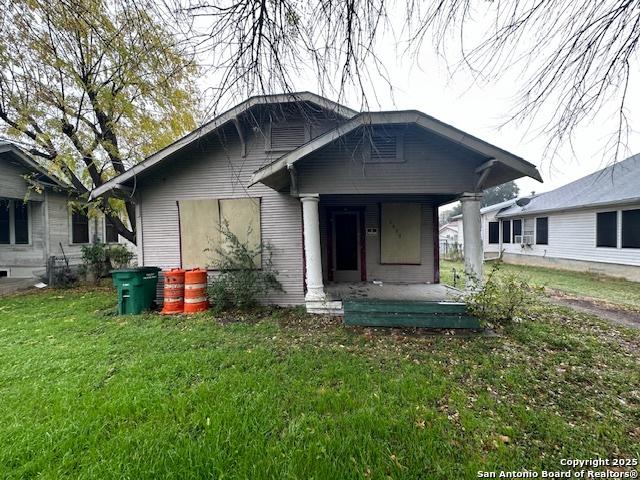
[[136, 289]]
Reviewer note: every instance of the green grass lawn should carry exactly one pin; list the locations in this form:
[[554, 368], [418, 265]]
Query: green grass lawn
[[279, 394], [614, 290]]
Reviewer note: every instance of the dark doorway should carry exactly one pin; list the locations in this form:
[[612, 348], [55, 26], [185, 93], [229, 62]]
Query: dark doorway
[[346, 246]]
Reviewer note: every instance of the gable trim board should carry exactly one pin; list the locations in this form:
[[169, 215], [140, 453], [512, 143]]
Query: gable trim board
[[369, 119], [222, 119]]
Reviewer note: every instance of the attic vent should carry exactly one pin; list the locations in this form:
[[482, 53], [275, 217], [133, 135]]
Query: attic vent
[[384, 149], [287, 136]]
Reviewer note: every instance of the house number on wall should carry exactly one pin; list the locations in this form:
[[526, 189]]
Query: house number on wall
[[372, 231]]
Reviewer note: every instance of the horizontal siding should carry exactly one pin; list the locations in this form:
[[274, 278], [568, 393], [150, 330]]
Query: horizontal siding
[[213, 170], [430, 166], [423, 273], [572, 236], [12, 183]]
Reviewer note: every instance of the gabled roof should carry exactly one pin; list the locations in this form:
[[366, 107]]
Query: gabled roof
[[616, 184], [218, 122], [398, 117], [23, 158]]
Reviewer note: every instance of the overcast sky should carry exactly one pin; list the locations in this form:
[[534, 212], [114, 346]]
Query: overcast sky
[[482, 109]]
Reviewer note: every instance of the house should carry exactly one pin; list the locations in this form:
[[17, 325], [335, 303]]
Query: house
[[451, 239], [36, 221], [343, 197], [592, 224], [449, 233]]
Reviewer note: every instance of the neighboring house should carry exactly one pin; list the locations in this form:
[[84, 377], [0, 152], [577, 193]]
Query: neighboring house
[[449, 233], [36, 223], [341, 196], [592, 224]]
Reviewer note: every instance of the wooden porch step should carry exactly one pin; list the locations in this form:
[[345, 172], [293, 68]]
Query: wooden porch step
[[398, 313]]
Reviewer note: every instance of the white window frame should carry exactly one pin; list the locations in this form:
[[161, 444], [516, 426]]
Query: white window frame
[[618, 228]]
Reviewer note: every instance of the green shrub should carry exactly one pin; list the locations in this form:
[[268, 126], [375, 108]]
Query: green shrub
[[241, 282], [502, 299], [94, 258], [119, 256], [99, 258]]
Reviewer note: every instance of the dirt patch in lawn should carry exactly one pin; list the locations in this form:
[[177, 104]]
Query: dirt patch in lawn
[[607, 311]]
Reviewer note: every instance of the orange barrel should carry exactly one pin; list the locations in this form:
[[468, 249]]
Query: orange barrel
[[173, 291], [195, 291]]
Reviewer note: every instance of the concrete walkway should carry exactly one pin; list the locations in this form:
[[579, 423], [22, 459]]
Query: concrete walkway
[[10, 285]]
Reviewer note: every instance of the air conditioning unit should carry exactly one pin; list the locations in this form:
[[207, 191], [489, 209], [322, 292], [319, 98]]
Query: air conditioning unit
[[524, 240]]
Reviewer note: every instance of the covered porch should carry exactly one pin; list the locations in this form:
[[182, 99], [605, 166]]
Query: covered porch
[[370, 191]]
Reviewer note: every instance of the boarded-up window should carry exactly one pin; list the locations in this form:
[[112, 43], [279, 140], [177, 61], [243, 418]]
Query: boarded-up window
[[5, 236], [494, 232], [200, 222], [400, 233], [243, 217], [607, 229], [287, 135]]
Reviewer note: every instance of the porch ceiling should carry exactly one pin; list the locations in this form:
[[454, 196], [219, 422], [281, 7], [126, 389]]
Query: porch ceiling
[[501, 166]]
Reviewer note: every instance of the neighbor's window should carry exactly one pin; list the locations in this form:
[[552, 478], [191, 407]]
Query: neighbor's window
[[506, 231], [517, 229], [21, 222], [607, 229], [631, 228], [494, 232], [79, 227], [542, 231], [5, 236], [110, 232]]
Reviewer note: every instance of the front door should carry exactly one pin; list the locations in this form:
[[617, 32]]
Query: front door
[[346, 250]]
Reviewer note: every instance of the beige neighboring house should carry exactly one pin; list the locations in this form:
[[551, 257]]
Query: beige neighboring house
[[343, 197], [38, 224]]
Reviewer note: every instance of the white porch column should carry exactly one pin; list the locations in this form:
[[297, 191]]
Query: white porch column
[[472, 234], [312, 252]]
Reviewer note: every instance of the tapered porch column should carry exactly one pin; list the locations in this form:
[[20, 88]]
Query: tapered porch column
[[312, 252], [472, 233]]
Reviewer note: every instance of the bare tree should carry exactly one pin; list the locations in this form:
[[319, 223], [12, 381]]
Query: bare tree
[[575, 57]]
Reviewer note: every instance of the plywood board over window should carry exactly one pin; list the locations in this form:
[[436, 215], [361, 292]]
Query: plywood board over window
[[400, 225], [200, 222], [243, 217], [199, 232]]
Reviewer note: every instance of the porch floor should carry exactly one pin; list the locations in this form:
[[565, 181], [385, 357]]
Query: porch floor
[[392, 291]]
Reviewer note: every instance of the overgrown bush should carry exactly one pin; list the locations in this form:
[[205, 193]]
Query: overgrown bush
[[241, 282], [99, 258], [119, 256], [64, 277], [502, 299], [94, 259]]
